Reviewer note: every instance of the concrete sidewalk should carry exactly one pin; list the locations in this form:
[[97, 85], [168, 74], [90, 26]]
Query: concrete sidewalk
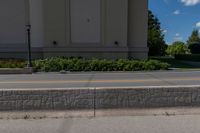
[[49, 114], [124, 124]]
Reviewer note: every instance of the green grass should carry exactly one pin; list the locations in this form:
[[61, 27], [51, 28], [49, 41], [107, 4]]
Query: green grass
[[176, 63], [12, 63]]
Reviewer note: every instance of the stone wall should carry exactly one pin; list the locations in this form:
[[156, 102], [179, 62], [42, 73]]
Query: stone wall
[[96, 98]]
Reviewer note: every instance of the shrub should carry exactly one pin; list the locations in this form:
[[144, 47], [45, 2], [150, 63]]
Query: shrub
[[56, 64], [177, 48], [194, 48], [188, 57], [78, 64]]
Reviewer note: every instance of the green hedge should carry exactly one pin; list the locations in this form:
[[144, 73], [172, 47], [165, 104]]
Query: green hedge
[[56, 64], [188, 57], [78, 64]]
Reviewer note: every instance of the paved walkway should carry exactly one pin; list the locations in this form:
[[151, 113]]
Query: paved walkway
[[136, 124], [117, 79]]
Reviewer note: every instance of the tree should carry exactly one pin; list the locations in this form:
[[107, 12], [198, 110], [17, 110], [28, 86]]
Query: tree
[[177, 48], [194, 48], [156, 43], [194, 38]]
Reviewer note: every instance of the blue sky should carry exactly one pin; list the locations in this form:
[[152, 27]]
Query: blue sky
[[178, 17]]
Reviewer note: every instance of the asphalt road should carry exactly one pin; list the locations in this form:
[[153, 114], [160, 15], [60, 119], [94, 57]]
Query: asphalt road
[[117, 79], [129, 124]]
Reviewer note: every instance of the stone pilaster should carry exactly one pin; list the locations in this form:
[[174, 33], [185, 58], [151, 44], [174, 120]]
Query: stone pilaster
[[37, 23], [137, 28]]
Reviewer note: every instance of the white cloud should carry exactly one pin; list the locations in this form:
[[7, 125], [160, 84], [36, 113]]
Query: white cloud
[[164, 31], [198, 25], [190, 2], [178, 37], [177, 12]]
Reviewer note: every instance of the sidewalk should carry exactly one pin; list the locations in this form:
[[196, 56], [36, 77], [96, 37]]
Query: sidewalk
[[123, 124]]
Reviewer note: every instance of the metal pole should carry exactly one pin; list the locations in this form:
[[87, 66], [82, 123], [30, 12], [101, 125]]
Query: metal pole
[[28, 31], [29, 45]]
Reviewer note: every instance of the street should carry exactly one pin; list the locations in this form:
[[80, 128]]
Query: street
[[103, 79], [128, 124], [162, 123]]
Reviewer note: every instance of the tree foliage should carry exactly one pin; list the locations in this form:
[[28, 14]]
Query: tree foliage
[[156, 43], [177, 48], [194, 38], [193, 42], [194, 48]]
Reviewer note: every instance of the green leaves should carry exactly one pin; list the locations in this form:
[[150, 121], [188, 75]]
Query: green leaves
[[75, 64], [156, 41], [177, 48], [56, 64], [194, 38], [194, 48]]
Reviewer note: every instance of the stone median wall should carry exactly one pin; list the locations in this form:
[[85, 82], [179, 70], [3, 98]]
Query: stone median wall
[[46, 99], [96, 98], [147, 98]]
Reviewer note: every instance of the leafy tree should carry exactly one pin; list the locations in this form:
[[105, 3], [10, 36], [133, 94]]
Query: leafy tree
[[194, 38], [194, 48], [177, 48], [156, 43]]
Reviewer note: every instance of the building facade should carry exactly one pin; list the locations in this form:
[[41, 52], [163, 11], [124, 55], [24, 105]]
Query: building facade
[[87, 28]]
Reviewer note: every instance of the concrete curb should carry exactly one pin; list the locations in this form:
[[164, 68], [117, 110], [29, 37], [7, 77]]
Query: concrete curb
[[62, 99], [16, 70]]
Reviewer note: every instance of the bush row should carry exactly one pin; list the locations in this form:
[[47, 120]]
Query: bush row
[[188, 57], [77, 64]]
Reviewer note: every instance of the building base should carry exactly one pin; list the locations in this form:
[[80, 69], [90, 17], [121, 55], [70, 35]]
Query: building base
[[85, 52]]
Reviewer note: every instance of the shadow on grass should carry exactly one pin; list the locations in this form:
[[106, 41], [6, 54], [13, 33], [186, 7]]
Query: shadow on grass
[[176, 63]]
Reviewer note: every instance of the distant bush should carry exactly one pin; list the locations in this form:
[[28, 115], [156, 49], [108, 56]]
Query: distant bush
[[78, 64], [188, 57], [194, 48], [177, 48]]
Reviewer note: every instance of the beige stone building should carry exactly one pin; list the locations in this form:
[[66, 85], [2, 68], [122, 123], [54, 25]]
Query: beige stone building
[[87, 28]]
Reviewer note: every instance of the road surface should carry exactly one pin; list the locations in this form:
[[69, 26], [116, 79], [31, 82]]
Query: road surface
[[95, 79]]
